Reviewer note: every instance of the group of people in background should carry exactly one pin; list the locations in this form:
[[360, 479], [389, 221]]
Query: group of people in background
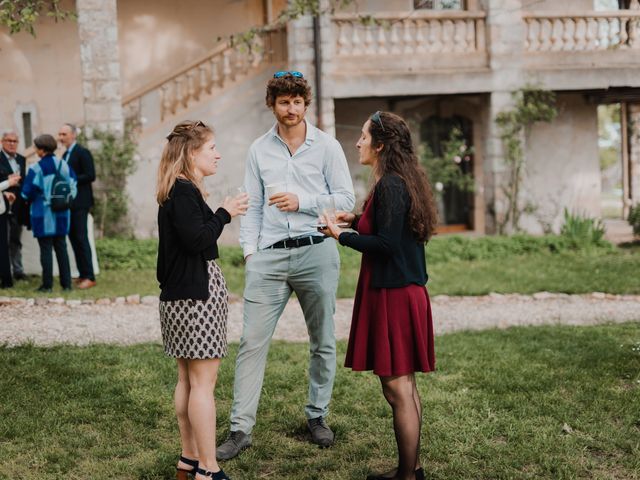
[[288, 237], [25, 202]]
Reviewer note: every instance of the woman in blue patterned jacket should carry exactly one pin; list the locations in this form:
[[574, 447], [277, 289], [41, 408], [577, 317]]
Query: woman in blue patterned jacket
[[49, 227]]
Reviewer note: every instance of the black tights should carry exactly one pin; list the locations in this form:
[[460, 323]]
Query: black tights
[[402, 394]]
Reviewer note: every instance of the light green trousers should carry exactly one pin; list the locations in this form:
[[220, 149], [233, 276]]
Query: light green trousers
[[271, 275]]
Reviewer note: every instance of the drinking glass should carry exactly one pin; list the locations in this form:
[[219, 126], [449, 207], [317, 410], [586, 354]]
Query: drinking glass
[[327, 206]]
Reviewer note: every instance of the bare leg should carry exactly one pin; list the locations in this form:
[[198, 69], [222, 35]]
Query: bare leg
[[202, 409], [181, 399], [399, 392]]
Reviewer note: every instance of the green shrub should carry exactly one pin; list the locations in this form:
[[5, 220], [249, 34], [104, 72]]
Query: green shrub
[[634, 218], [126, 253], [582, 231]]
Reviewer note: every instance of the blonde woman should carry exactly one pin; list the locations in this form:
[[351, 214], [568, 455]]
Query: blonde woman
[[193, 299]]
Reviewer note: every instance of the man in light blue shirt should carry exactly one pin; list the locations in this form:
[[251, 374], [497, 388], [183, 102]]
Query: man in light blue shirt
[[290, 170]]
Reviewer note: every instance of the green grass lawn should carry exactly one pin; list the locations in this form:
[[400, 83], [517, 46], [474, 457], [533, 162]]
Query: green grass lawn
[[495, 409], [456, 265]]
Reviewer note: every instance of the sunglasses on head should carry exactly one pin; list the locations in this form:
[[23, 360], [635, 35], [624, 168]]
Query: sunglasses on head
[[376, 118], [284, 73]]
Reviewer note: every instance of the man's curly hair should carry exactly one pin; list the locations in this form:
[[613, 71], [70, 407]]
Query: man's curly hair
[[287, 85]]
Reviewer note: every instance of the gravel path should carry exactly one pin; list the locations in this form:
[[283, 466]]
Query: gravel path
[[78, 323]]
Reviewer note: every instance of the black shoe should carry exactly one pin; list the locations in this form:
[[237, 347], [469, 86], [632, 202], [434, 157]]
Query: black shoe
[[183, 473], [233, 445], [321, 434], [219, 475], [43, 289], [391, 474], [66, 289], [19, 276], [6, 285]]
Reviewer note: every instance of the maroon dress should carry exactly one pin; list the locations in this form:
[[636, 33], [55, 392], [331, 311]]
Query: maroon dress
[[391, 330]]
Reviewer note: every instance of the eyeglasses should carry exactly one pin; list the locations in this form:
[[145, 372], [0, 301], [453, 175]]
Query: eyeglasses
[[10, 141], [376, 118], [284, 73]]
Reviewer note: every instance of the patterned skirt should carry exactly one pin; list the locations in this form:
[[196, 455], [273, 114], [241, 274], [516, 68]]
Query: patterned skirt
[[197, 329]]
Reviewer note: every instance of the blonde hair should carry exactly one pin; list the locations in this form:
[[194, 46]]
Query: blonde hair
[[177, 157]]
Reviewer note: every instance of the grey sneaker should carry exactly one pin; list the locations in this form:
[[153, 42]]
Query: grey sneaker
[[321, 434], [233, 445]]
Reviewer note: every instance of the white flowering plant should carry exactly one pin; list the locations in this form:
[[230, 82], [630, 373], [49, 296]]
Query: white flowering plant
[[451, 169]]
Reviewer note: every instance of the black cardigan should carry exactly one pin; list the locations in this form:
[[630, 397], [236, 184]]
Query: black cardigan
[[188, 232], [398, 258]]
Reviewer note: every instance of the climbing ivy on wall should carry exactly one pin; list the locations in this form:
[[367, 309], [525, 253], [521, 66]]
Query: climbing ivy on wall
[[114, 156], [532, 105]]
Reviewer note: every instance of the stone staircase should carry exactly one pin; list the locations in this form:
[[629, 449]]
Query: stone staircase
[[224, 88]]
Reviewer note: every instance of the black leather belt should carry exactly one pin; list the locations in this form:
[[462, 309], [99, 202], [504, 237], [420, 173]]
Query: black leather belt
[[298, 242]]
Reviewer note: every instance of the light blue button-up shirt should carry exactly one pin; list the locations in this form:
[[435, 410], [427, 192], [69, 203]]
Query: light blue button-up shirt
[[318, 167]]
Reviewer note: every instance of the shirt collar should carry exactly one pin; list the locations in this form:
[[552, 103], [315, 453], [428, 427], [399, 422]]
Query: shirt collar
[[8, 155], [310, 135]]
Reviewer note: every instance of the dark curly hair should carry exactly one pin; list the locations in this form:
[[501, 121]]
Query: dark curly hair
[[288, 85], [398, 157]]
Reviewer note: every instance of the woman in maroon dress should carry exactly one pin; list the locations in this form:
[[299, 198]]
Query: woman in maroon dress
[[391, 330]]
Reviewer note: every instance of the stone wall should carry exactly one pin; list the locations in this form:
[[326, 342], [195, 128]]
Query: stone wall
[[100, 62]]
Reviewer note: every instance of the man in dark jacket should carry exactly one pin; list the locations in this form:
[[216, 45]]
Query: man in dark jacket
[[12, 162], [81, 161]]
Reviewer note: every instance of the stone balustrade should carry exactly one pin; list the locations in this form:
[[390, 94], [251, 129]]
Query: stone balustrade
[[410, 33], [587, 31], [206, 76]]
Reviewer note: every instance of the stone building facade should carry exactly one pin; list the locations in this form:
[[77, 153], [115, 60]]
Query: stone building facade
[[160, 63]]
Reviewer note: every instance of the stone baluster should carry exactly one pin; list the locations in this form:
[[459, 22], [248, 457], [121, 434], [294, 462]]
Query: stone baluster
[[531, 42], [407, 39], [579, 34], [205, 85], [614, 32], [382, 42], [448, 35], [165, 99], [226, 67], [435, 36], [421, 46], [470, 39], [546, 30], [394, 39], [633, 33], [192, 82], [556, 34], [624, 35], [459, 36], [343, 43], [480, 35], [591, 34], [179, 93], [257, 51], [356, 44], [369, 44], [568, 28], [238, 64], [603, 26], [215, 73]]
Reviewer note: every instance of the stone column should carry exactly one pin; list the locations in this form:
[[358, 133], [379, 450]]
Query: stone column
[[634, 153], [505, 31], [300, 44], [98, 32]]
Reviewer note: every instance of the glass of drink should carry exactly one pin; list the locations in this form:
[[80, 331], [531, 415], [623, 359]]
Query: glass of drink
[[327, 207]]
